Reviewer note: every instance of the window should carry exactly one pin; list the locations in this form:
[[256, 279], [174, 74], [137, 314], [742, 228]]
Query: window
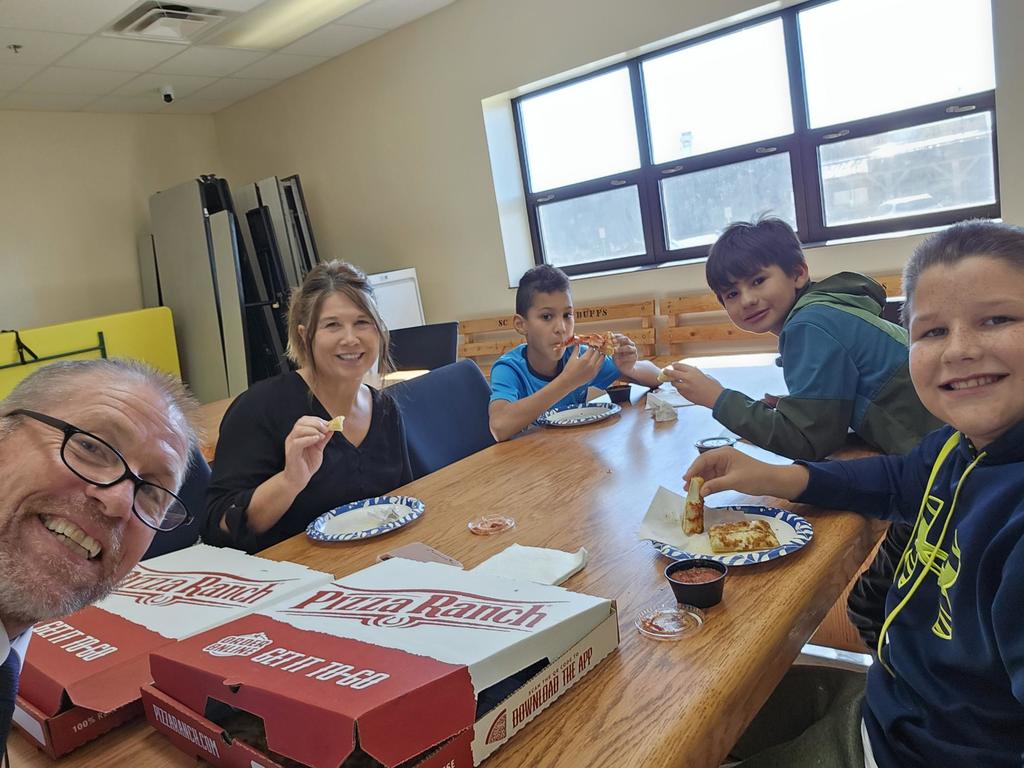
[[844, 118]]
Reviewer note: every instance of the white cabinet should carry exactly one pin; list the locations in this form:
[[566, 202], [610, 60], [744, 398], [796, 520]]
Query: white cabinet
[[398, 298]]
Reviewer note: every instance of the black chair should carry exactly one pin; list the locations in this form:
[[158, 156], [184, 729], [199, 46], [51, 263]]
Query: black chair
[[892, 310], [193, 493], [425, 346], [445, 415]]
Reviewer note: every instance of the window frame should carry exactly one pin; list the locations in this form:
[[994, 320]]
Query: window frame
[[802, 146]]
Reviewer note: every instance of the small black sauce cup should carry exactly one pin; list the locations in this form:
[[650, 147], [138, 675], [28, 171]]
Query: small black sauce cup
[[703, 595], [618, 393], [710, 443]]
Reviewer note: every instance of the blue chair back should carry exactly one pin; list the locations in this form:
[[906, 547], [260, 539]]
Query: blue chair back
[[445, 415], [425, 346], [193, 493]]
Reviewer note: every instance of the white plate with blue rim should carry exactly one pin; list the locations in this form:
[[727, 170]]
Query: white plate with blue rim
[[366, 518], [792, 531], [575, 415]]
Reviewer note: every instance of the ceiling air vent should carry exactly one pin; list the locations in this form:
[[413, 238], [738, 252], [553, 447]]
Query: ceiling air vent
[[169, 23]]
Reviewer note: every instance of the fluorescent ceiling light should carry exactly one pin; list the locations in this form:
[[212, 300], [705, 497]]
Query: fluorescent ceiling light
[[277, 23]]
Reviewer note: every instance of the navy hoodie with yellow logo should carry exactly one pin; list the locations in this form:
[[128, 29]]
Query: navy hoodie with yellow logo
[[949, 688]]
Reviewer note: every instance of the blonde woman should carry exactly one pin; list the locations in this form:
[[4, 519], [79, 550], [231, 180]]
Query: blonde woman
[[279, 464]]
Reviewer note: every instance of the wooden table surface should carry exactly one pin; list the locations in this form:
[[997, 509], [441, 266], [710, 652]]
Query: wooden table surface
[[651, 703]]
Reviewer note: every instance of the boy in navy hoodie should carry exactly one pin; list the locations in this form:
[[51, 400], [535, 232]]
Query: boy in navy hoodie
[[949, 688]]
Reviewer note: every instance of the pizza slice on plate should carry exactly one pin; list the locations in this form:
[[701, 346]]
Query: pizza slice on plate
[[742, 536]]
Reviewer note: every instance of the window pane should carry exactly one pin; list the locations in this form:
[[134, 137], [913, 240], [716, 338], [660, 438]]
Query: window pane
[[592, 228], [726, 92], [924, 169], [583, 131], [697, 206], [870, 57]]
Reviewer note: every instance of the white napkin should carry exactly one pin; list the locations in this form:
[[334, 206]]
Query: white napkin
[[666, 393], [536, 564], [663, 522], [661, 410]]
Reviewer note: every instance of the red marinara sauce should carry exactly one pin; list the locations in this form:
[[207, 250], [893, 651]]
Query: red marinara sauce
[[700, 574]]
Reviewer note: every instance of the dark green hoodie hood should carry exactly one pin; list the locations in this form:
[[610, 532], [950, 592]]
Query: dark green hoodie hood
[[854, 293], [848, 289]]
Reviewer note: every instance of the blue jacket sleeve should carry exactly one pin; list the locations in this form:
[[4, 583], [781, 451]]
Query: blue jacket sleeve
[[887, 487], [813, 419], [1006, 619]]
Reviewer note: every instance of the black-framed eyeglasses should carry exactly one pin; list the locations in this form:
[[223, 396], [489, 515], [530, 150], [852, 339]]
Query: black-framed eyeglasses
[[97, 462]]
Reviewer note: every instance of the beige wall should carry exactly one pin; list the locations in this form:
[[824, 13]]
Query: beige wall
[[390, 145], [74, 196]]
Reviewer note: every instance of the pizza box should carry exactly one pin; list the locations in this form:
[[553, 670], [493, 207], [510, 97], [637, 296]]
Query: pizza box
[[83, 672], [403, 663]]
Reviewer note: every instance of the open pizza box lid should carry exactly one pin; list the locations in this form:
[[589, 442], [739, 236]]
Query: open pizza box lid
[[98, 657], [394, 660]]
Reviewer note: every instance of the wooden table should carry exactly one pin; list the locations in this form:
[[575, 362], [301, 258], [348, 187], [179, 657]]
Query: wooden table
[[651, 703]]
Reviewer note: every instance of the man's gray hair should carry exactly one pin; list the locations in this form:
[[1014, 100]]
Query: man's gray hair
[[58, 381]]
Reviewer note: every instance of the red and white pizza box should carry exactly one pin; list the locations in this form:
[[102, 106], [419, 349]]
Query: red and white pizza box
[[93, 662], [412, 663]]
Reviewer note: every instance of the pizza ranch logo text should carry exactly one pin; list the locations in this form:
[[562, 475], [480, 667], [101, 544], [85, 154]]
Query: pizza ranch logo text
[[148, 586], [416, 607], [314, 667]]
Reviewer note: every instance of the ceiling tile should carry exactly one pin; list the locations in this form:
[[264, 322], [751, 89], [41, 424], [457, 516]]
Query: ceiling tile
[[75, 81], [232, 5], [125, 55], [197, 106], [60, 102], [83, 16], [208, 61], [150, 85], [38, 48], [127, 104], [13, 75], [233, 88], [389, 14], [279, 66], [332, 40]]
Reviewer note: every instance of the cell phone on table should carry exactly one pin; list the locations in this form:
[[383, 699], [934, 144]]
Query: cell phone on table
[[420, 552]]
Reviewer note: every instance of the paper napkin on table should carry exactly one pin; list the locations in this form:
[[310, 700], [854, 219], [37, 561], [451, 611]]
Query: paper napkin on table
[[667, 394], [536, 564], [661, 410], [663, 522]]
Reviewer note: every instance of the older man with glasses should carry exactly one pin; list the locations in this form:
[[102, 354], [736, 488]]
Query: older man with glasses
[[92, 453]]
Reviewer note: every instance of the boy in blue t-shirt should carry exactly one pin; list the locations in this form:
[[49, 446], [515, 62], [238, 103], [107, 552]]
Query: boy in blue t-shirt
[[551, 369]]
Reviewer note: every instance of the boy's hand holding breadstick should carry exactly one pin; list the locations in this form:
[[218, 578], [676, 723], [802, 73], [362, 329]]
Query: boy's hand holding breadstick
[[692, 383], [726, 469]]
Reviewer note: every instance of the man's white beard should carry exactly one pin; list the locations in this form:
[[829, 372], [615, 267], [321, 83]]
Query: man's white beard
[[23, 597]]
